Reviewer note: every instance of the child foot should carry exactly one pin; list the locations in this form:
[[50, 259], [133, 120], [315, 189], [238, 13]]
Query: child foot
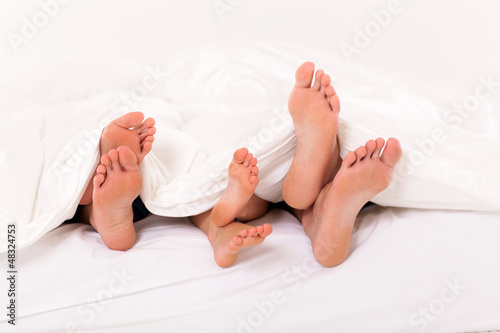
[[117, 183], [363, 174], [241, 185], [227, 241], [314, 110], [129, 130]]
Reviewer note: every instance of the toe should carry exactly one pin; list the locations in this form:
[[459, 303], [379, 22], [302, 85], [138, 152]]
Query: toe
[[106, 160], [329, 91], [148, 132], [127, 158], [360, 152], [392, 153], [334, 102], [243, 233], [254, 180], [98, 180], [349, 159], [370, 146], [325, 82], [146, 124], [113, 157], [237, 240], [317, 80], [146, 148], [101, 169], [239, 155], [130, 120], [304, 75], [253, 162], [255, 170], [267, 230], [380, 144]]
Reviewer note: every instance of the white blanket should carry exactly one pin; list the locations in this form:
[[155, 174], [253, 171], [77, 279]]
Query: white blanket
[[207, 104]]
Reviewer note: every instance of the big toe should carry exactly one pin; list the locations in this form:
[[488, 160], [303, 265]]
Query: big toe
[[127, 158], [304, 75], [240, 155], [130, 120], [392, 153]]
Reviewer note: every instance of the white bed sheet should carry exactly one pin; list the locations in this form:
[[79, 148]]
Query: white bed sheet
[[401, 261]]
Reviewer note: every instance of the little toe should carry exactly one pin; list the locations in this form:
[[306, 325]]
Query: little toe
[[254, 180], [317, 81], [98, 180], [334, 102], [304, 75], [237, 240], [392, 152]]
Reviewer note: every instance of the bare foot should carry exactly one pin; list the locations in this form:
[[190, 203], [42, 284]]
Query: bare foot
[[314, 110], [241, 185], [129, 130], [329, 222], [227, 241], [117, 183]]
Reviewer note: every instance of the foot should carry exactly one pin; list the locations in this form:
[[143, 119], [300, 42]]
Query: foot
[[315, 110], [129, 130], [364, 173], [241, 185], [229, 240], [117, 183]]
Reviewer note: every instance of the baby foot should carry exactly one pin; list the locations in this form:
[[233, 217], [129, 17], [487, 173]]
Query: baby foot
[[241, 185], [229, 240], [315, 111], [117, 183], [363, 174]]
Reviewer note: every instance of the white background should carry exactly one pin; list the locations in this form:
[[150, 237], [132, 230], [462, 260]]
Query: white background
[[445, 43]]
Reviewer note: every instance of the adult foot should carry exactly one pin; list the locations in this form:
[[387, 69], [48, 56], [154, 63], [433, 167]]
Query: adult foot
[[229, 240], [132, 131], [129, 130], [315, 110], [241, 185], [117, 183], [364, 173]]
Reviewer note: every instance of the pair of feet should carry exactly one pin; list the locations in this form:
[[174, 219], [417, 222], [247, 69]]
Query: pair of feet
[[117, 181], [326, 192]]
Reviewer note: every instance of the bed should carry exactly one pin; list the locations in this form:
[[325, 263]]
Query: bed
[[421, 260]]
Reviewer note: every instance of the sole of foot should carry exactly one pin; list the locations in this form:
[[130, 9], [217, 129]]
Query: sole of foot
[[364, 173], [314, 108], [117, 183]]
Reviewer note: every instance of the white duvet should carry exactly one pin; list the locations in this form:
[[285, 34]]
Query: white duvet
[[210, 102]]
